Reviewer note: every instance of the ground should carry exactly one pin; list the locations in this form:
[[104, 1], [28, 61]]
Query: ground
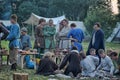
[[6, 74]]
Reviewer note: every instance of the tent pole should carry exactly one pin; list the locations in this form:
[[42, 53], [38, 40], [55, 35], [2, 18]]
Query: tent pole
[[32, 31]]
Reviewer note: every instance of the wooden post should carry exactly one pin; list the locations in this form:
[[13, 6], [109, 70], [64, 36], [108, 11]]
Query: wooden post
[[20, 76]]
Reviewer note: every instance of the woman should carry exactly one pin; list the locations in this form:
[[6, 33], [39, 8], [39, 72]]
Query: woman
[[49, 32], [62, 34], [72, 63], [39, 37], [46, 65]]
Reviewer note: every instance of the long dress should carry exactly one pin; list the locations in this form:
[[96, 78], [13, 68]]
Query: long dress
[[49, 32], [73, 66], [64, 42]]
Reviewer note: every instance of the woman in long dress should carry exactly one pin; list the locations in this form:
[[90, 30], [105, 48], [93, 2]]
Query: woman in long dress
[[62, 34]]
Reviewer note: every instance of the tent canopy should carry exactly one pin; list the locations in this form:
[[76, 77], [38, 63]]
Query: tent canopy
[[6, 22], [115, 36], [34, 19]]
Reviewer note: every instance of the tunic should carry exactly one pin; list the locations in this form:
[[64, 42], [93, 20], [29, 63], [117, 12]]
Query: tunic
[[106, 65], [78, 35], [25, 41], [89, 65], [73, 66], [49, 33], [39, 38], [62, 36]]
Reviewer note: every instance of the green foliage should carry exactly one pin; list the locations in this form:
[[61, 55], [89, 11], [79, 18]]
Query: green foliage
[[25, 10], [101, 13]]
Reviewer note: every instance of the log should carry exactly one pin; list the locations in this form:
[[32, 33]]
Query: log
[[20, 76]]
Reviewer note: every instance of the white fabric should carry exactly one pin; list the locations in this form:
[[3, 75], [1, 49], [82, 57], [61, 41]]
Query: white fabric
[[76, 51], [6, 22], [34, 19], [93, 39]]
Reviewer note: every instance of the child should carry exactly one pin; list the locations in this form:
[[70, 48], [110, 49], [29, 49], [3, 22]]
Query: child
[[25, 39], [89, 63], [26, 45], [114, 57], [46, 65], [73, 68], [106, 64]]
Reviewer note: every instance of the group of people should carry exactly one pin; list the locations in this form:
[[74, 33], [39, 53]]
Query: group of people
[[75, 63]]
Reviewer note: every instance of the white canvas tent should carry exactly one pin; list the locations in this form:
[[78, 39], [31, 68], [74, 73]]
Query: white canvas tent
[[6, 22], [115, 36], [34, 19]]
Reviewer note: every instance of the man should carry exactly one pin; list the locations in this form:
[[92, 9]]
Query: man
[[13, 39], [89, 64], [76, 35], [97, 40], [106, 64], [49, 32]]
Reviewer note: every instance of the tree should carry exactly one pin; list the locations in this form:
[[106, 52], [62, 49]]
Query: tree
[[101, 13], [25, 10]]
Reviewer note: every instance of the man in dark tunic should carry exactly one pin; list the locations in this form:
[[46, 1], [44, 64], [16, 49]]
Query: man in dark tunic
[[97, 40]]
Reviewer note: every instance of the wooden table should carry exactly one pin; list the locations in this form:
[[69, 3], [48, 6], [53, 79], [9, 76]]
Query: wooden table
[[23, 54]]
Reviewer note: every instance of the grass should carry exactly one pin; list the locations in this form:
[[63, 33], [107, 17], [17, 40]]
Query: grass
[[6, 74]]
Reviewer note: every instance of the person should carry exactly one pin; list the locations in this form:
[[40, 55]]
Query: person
[[49, 32], [25, 39], [39, 38], [26, 45], [106, 64], [97, 40], [76, 35], [73, 68], [13, 38], [46, 65], [62, 34], [89, 64], [116, 62]]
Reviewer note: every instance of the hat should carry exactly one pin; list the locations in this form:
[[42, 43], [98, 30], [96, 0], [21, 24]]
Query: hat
[[24, 29]]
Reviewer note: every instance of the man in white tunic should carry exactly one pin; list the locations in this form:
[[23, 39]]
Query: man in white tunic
[[106, 64], [88, 64]]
